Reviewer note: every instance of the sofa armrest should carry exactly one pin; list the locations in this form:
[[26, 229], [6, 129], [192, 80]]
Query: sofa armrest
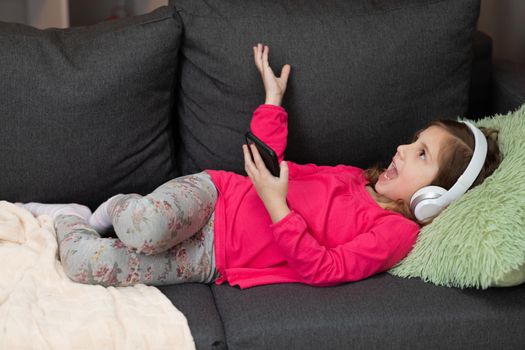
[[508, 86]]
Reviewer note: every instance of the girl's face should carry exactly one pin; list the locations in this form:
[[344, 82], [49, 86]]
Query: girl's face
[[414, 165]]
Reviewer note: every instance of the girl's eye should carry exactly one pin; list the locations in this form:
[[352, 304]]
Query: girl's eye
[[422, 154]]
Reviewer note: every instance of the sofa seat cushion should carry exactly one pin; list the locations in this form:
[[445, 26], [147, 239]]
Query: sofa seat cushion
[[382, 312], [365, 75], [196, 302], [86, 111]]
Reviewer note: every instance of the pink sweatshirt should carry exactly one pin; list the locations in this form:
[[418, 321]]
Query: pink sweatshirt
[[334, 233]]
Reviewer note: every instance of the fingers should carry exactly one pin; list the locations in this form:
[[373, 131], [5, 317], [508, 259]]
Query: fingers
[[259, 163], [283, 173], [260, 55], [285, 73], [249, 166], [265, 53], [257, 56], [255, 167]]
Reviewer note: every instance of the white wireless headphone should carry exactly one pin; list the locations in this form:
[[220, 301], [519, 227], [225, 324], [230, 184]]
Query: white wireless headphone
[[431, 200]]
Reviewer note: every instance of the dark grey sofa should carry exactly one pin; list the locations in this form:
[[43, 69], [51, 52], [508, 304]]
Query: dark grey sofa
[[123, 106]]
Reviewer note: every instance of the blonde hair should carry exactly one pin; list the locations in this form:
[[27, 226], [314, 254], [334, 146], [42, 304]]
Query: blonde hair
[[453, 160]]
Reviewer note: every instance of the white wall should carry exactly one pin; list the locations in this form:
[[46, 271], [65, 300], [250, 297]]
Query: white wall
[[504, 21], [84, 12], [13, 11], [48, 13], [38, 13], [62, 13]]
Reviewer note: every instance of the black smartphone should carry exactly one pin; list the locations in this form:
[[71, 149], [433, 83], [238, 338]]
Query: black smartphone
[[268, 155]]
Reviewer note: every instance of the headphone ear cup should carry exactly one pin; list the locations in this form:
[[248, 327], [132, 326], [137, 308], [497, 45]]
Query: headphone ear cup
[[425, 202]]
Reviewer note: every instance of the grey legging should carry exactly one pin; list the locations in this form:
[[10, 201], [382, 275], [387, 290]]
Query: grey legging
[[164, 237]]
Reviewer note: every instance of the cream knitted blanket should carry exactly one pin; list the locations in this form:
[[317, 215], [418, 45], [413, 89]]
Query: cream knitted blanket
[[40, 308]]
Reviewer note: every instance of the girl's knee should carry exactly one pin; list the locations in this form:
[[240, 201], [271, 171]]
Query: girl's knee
[[132, 213], [145, 230], [125, 205]]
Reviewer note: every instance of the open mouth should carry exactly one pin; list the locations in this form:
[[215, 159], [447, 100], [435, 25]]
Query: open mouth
[[391, 172]]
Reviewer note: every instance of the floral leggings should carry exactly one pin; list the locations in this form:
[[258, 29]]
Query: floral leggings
[[165, 237]]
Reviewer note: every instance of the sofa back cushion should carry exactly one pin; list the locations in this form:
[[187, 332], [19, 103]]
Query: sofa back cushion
[[86, 111], [365, 75]]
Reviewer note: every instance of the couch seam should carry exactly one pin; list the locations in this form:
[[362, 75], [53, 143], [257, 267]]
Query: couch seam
[[220, 318]]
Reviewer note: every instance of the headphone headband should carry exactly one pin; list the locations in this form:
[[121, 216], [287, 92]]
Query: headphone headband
[[473, 169], [424, 203]]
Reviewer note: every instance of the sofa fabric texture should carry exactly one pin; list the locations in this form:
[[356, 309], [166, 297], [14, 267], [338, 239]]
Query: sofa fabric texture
[[86, 112], [197, 303], [365, 75], [382, 312]]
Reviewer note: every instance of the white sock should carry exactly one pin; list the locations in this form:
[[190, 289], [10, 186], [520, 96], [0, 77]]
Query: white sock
[[100, 220], [54, 210]]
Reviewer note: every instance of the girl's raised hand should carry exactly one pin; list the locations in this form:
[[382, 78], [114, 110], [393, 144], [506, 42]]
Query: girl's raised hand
[[274, 87]]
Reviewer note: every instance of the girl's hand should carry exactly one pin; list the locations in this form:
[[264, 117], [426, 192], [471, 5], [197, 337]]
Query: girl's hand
[[274, 87], [272, 190]]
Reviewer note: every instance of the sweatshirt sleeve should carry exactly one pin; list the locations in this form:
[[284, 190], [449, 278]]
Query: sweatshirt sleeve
[[270, 124], [367, 254]]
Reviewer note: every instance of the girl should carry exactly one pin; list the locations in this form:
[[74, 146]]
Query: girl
[[319, 225]]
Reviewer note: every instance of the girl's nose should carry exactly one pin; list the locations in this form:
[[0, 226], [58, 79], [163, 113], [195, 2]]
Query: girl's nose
[[400, 149]]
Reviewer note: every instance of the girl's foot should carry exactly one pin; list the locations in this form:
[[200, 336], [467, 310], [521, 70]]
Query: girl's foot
[[101, 220], [54, 210]]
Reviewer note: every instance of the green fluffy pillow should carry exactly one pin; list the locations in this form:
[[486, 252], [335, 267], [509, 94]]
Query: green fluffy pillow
[[479, 240]]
